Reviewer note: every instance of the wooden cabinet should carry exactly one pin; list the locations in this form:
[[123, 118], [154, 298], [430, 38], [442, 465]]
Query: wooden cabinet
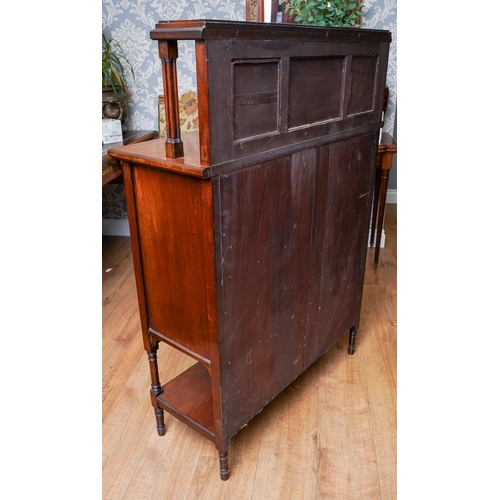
[[249, 238]]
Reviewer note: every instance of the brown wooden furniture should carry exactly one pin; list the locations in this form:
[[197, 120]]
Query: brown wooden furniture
[[249, 238], [111, 168], [386, 149]]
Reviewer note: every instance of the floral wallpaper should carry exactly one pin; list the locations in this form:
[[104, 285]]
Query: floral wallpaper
[[382, 15], [130, 21]]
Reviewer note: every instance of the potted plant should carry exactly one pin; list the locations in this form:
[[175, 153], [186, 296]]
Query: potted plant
[[336, 13], [115, 93]]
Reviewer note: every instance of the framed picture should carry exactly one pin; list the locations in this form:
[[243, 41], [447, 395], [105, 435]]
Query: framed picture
[[188, 113]]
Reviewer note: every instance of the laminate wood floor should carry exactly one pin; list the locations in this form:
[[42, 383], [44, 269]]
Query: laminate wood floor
[[330, 435]]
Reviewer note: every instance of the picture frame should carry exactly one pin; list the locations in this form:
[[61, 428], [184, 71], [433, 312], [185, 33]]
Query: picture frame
[[255, 10], [188, 113]]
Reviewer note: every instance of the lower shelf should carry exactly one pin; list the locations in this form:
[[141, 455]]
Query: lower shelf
[[189, 398]]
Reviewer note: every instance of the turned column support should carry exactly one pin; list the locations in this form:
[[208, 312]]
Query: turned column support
[[168, 52], [156, 389], [352, 339], [224, 465]]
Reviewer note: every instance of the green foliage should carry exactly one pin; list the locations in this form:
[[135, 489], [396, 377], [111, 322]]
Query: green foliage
[[337, 13], [113, 66]]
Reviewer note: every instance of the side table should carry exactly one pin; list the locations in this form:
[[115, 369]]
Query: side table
[[387, 147], [111, 168]]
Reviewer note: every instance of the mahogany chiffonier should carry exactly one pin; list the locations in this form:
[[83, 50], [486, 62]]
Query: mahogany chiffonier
[[249, 237]]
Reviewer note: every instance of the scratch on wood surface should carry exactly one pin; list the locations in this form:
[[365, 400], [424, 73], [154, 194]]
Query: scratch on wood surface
[[363, 195], [225, 252]]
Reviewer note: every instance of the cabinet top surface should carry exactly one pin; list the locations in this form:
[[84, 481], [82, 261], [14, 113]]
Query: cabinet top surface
[[152, 153], [206, 29]]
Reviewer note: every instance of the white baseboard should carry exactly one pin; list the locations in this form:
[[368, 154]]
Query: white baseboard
[[382, 238], [392, 196], [115, 227]]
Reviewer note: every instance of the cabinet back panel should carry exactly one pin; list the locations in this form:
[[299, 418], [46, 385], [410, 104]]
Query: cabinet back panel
[[290, 93], [363, 75], [265, 212], [315, 90], [291, 255], [339, 239], [255, 98]]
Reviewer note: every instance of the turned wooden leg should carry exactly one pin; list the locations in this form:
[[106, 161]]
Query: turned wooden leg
[[224, 465], [384, 180], [352, 339], [376, 194], [156, 390]]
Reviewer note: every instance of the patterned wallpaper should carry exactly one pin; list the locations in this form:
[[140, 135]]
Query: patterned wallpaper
[[382, 15], [130, 21]]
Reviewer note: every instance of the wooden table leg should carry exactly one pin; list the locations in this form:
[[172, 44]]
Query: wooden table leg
[[386, 149], [384, 180], [376, 195]]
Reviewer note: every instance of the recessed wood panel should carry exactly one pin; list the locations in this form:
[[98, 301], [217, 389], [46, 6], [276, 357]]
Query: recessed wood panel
[[363, 88], [255, 98], [315, 90]]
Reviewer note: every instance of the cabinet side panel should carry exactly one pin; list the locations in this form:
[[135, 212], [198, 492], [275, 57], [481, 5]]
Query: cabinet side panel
[[172, 211], [344, 179], [263, 254]]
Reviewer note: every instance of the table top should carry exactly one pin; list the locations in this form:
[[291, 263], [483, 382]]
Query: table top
[[111, 168], [387, 144], [153, 153]]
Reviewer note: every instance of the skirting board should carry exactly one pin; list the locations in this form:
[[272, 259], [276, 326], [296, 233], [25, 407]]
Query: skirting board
[[382, 239], [392, 196], [115, 227], [119, 227]]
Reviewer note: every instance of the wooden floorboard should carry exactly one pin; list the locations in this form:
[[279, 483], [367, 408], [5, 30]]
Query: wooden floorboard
[[330, 435]]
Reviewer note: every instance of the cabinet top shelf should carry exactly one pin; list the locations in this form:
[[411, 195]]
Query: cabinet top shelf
[[152, 153], [205, 29], [265, 90]]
